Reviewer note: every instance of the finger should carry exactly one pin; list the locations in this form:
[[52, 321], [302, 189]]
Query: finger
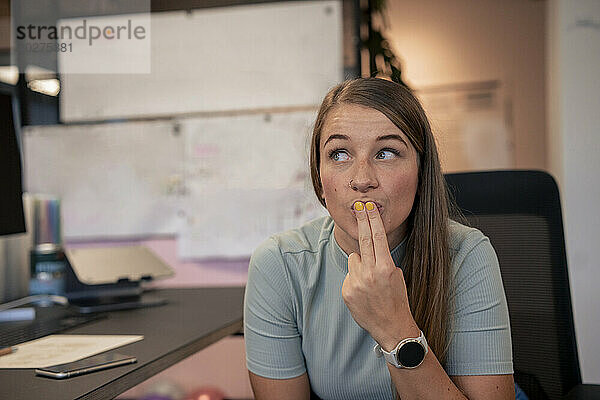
[[365, 240], [380, 242], [353, 263]]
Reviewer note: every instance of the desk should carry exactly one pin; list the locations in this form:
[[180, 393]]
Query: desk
[[192, 320]]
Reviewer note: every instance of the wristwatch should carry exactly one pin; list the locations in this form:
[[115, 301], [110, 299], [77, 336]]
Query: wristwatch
[[409, 353]]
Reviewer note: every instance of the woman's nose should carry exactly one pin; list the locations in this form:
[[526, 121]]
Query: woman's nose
[[364, 178]]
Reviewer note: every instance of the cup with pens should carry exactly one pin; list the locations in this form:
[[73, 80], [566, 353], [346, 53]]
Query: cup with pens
[[47, 257]]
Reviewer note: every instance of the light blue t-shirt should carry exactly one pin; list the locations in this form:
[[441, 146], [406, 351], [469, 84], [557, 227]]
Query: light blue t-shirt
[[296, 321]]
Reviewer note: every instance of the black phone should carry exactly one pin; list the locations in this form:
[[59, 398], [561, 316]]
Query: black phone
[[87, 365]]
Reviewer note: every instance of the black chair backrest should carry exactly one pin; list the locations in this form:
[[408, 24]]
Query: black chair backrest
[[521, 214]]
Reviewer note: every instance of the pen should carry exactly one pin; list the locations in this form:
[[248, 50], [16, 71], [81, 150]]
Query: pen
[[7, 350]]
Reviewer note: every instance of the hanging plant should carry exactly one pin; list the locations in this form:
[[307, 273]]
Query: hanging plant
[[382, 60]]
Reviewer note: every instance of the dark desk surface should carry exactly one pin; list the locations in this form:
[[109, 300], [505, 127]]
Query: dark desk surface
[[192, 320]]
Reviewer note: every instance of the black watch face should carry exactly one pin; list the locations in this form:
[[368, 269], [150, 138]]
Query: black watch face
[[411, 354]]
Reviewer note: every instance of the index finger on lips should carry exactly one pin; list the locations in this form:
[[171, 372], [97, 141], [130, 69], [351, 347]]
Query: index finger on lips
[[380, 242], [365, 240]]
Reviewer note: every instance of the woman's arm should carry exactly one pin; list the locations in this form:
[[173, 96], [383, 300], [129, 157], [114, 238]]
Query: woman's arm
[[272, 340], [275, 389], [373, 292], [430, 381], [486, 386]]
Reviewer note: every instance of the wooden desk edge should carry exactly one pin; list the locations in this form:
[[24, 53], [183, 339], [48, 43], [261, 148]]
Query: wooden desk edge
[[137, 376]]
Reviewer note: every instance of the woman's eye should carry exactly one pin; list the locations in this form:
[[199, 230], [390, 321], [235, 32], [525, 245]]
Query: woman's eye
[[386, 154], [339, 155]]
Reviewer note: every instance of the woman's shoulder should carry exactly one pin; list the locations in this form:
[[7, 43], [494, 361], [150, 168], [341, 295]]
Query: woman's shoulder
[[463, 238], [469, 245], [304, 238], [470, 249]]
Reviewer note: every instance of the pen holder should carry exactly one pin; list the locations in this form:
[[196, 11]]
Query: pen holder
[[48, 272], [47, 258]]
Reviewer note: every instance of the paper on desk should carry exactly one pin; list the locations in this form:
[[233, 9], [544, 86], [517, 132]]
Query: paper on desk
[[60, 349]]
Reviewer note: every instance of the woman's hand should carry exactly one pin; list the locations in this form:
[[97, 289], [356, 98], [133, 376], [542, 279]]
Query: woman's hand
[[374, 289]]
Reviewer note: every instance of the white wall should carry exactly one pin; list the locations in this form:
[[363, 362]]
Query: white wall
[[446, 42], [574, 144], [551, 68]]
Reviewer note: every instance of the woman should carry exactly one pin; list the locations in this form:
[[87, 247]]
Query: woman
[[329, 308]]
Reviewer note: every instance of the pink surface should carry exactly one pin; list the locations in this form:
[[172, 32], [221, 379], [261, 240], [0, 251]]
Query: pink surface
[[218, 272], [221, 365]]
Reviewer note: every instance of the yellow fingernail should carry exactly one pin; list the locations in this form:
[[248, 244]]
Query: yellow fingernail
[[370, 206], [358, 206]]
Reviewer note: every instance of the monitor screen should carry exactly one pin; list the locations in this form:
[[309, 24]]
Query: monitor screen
[[12, 218]]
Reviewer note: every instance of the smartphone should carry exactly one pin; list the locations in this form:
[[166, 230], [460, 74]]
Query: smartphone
[[87, 365]]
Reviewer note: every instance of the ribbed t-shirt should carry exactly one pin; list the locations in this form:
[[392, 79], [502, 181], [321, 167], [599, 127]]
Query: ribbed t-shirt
[[296, 321]]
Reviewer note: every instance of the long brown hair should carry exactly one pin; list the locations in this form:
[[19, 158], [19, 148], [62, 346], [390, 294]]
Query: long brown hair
[[427, 260]]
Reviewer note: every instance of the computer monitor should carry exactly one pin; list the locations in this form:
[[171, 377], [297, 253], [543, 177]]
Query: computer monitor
[[12, 218]]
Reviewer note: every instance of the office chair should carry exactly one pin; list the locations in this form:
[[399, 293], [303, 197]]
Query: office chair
[[521, 214]]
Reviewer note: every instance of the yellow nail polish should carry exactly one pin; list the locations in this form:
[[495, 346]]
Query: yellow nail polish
[[370, 206], [358, 206]]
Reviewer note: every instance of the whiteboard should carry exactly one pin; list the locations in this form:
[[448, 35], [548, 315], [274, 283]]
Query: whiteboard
[[234, 58], [247, 177], [114, 180], [221, 184]]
